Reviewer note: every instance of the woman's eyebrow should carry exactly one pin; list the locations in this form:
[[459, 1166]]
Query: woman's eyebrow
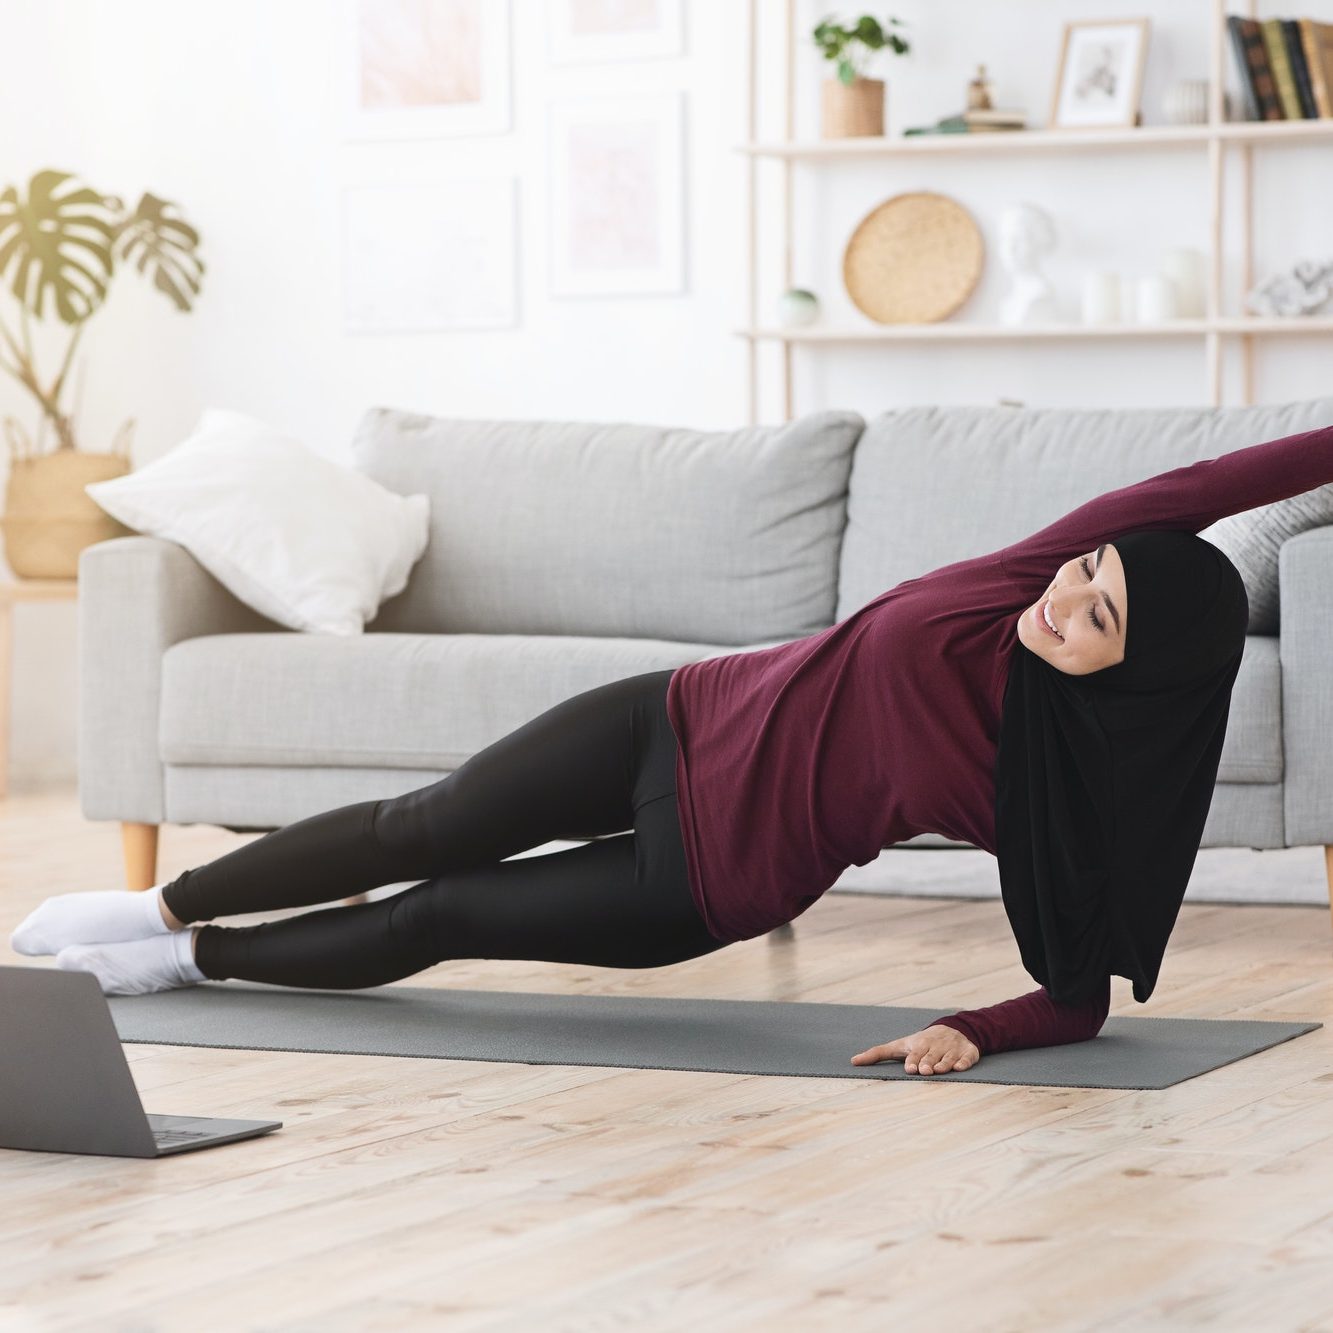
[[1106, 596]]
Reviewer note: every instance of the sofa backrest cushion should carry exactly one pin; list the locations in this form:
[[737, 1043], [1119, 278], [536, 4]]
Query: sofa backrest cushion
[[588, 528], [932, 485], [1253, 540]]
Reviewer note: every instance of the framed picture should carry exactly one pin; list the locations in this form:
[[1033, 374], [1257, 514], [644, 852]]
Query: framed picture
[[425, 69], [417, 258], [617, 192], [585, 30], [1101, 74]]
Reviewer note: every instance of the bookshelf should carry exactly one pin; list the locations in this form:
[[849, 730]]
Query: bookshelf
[[1217, 137]]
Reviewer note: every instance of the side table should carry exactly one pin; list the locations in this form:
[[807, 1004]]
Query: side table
[[14, 590]]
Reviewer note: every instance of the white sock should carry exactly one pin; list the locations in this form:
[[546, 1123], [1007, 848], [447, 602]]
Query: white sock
[[104, 916], [136, 967]]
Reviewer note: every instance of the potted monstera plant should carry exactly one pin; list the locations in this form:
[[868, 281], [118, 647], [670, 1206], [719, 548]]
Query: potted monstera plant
[[59, 249]]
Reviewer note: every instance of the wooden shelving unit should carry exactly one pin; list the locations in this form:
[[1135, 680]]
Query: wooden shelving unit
[[1036, 141], [965, 332], [1217, 136]]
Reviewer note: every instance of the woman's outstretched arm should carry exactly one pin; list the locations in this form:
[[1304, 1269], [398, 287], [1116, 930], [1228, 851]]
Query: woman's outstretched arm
[[1188, 498], [957, 1041], [1034, 1019]]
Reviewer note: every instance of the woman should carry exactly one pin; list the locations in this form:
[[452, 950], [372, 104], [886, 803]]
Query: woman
[[1003, 701]]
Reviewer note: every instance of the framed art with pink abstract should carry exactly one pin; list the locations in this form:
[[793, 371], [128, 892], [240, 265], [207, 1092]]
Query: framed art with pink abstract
[[592, 30], [617, 207], [416, 69]]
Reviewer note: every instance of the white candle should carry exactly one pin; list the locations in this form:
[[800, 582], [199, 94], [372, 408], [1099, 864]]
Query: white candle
[[1156, 299], [1185, 268], [1101, 298]]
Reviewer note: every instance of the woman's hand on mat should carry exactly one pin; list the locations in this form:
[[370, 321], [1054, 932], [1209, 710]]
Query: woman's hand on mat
[[934, 1050]]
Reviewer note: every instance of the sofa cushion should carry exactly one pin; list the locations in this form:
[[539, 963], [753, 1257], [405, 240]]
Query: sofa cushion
[[380, 700], [634, 531], [1252, 750], [1253, 540], [933, 485], [311, 544], [430, 701]]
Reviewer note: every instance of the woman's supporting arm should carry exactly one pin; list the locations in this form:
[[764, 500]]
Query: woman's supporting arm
[[1185, 499], [1034, 1019]]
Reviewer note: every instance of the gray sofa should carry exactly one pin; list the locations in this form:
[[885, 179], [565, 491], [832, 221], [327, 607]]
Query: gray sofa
[[563, 555]]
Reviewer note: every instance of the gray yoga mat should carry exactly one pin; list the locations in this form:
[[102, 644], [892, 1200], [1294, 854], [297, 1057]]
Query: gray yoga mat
[[644, 1032]]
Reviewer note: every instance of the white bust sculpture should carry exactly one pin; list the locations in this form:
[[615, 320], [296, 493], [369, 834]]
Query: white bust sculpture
[[1026, 235]]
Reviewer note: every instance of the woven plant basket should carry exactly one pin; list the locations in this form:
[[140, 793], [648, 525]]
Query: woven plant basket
[[48, 517], [850, 111]]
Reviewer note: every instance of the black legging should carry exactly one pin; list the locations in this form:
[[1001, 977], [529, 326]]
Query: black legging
[[599, 763]]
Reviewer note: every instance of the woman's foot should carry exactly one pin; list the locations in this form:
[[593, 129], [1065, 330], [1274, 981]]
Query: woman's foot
[[137, 967], [107, 916]]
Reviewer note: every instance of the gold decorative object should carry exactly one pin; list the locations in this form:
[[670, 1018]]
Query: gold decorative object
[[979, 97], [914, 259]]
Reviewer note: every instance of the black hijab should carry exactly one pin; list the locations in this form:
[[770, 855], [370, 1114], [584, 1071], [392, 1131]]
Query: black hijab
[[1103, 781]]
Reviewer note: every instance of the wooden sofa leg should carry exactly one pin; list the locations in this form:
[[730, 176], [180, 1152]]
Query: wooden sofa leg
[[139, 844]]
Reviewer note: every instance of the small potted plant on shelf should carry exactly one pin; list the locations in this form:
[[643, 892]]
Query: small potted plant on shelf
[[853, 105], [65, 242]]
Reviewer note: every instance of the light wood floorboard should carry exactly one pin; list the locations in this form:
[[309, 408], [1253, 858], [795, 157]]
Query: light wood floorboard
[[408, 1194]]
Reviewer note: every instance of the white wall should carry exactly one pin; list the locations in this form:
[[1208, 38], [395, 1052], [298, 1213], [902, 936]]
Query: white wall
[[231, 112]]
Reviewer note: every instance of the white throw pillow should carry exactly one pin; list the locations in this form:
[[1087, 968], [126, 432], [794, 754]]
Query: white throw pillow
[[304, 540]]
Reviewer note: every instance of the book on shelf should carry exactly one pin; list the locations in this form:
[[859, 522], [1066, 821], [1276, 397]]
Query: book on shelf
[[1286, 67], [998, 122], [1317, 42], [1009, 120], [1300, 71], [1275, 43], [1247, 40]]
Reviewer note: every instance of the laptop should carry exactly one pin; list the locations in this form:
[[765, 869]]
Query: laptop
[[67, 1086]]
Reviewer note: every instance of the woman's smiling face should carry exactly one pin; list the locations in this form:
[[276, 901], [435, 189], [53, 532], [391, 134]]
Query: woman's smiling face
[[1088, 604]]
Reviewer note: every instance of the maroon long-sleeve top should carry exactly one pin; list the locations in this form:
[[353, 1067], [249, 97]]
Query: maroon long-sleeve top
[[800, 760]]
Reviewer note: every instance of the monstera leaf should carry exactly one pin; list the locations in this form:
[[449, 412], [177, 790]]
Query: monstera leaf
[[57, 243], [64, 240], [66, 243], [165, 242]]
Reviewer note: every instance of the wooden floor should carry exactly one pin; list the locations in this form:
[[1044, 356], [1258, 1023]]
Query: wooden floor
[[407, 1194]]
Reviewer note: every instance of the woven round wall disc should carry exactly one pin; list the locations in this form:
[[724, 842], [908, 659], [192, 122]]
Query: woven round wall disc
[[913, 259]]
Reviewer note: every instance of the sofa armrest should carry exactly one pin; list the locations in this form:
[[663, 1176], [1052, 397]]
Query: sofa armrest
[[137, 596], [1305, 585]]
